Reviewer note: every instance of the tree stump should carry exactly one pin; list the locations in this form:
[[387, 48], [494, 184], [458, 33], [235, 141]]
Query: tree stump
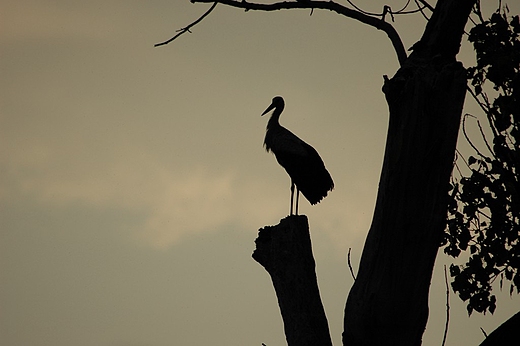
[[285, 252]]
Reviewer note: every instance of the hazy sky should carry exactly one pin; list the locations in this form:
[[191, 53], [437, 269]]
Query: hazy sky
[[133, 179]]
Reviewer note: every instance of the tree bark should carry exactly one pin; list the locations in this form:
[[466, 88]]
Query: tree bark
[[388, 303], [508, 333], [285, 251]]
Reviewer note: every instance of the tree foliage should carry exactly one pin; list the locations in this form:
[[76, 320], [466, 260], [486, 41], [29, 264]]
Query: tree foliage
[[484, 208]]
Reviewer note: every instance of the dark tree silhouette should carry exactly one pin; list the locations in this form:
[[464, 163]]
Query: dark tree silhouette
[[285, 251], [484, 210], [388, 303], [389, 299]]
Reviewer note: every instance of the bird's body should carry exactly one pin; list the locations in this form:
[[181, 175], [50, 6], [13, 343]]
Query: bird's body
[[301, 161]]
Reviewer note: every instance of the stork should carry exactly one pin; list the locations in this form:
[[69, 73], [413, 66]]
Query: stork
[[301, 161]]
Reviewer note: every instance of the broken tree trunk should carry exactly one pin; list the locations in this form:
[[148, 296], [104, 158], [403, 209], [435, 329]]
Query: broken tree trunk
[[388, 303], [285, 251], [506, 334]]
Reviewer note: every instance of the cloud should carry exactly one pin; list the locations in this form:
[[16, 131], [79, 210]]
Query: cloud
[[190, 203], [174, 202]]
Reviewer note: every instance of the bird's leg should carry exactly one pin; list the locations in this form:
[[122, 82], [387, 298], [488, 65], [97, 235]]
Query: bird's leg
[[297, 198], [292, 196]]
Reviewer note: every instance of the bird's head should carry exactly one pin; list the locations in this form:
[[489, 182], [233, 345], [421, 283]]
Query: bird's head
[[278, 102]]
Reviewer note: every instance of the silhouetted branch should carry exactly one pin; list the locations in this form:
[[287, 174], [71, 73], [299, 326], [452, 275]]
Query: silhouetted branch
[[187, 28], [350, 265], [485, 106], [485, 139], [447, 307], [426, 4], [466, 134], [323, 5], [421, 9], [481, 133]]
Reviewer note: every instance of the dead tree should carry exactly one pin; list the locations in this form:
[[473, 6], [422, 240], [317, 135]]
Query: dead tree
[[285, 252], [388, 303]]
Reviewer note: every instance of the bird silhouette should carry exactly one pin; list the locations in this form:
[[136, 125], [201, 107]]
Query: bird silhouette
[[301, 161]]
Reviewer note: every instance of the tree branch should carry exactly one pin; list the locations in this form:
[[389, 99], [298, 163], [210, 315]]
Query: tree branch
[[447, 307], [323, 5], [350, 265], [187, 28], [426, 4]]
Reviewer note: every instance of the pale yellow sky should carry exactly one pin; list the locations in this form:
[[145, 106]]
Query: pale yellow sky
[[133, 179]]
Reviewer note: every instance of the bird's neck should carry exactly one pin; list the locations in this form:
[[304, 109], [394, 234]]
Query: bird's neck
[[274, 120]]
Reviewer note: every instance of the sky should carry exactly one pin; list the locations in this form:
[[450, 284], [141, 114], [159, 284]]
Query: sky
[[133, 180]]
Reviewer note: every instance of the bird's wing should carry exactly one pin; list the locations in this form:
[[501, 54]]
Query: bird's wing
[[284, 142], [305, 167]]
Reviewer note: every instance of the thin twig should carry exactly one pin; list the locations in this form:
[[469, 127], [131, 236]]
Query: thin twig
[[486, 108], [421, 9], [457, 154], [404, 7], [187, 28], [478, 11], [350, 265], [482, 106], [418, 9], [447, 307], [427, 5], [466, 134], [382, 14], [485, 139], [484, 214]]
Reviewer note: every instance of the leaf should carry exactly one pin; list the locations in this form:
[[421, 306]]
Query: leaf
[[454, 270], [492, 304], [483, 213], [515, 24], [516, 280]]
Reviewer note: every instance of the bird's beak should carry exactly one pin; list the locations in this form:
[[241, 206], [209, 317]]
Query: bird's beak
[[268, 109]]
